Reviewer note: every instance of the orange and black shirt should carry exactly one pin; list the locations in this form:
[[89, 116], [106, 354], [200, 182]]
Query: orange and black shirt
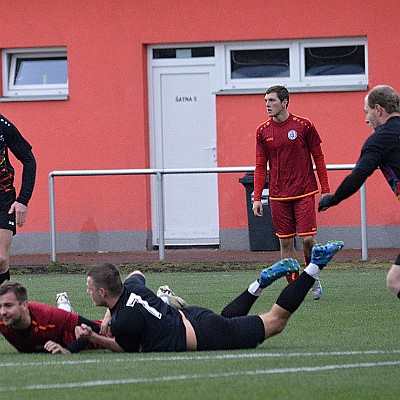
[[12, 140], [47, 323]]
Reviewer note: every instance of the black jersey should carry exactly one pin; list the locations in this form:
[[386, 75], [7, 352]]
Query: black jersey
[[382, 149], [141, 321], [11, 139]]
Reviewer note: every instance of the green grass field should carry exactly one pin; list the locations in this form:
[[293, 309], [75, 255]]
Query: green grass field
[[345, 346]]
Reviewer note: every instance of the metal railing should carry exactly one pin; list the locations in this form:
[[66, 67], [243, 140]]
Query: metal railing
[[159, 173]]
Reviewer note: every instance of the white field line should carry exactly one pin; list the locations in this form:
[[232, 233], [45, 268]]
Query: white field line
[[198, 376], [195, 357]]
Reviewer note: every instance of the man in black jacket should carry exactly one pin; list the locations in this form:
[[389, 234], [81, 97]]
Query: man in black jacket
[[381, 150]]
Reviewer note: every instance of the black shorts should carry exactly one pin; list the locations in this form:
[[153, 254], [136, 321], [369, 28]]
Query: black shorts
[[397, 262], [7, 221], [215, 332]]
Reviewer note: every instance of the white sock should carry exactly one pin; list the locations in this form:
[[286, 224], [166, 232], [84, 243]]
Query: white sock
[[165, 299], [255, 289], [65, 306], [312, 270]]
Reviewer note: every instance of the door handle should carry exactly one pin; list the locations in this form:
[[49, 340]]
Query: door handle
[[214, 151]]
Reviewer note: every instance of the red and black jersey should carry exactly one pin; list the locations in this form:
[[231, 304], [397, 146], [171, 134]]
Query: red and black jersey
[[47, 323], [286, 147]]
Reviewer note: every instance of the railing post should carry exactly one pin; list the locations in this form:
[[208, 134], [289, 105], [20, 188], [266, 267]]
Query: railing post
[[363, 207], [53, 256], [160, 214]]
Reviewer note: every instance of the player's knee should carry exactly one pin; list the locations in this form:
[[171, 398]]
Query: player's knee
[[286, 245], [393, 279], [308, 242], [280, 327], [275, 330], [3, 263], [391, 285], [274, 326]]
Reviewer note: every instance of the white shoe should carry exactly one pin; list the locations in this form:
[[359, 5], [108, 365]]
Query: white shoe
[[63, 302], [169, 297], [316, 290]]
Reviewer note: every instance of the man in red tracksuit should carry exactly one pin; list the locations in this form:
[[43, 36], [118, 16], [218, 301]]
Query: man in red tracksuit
[[286, 143]]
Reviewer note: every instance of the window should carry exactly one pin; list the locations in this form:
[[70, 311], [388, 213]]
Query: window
[[194, 52], [339, 60], [339, 64], [263, 63], [252, 65], [301, 65], [38, 72]]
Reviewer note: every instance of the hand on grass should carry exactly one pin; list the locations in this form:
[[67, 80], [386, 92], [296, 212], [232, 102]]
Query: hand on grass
[[55, 348]]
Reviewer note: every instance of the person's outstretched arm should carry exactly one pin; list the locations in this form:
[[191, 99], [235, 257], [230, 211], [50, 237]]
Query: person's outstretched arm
[[84, 332]]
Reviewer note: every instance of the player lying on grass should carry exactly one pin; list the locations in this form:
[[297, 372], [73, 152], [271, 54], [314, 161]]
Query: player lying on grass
[[141, 321], [33, 327]]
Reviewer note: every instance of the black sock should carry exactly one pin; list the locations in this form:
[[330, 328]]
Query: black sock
[[293, 295], [240, 306], [4, 277], [398, 295]]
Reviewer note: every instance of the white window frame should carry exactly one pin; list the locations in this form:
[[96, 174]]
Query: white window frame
[[333, 81], [297, 82], [9, 62], [254, 83]]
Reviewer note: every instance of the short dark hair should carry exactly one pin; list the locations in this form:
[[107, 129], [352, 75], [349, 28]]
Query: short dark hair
[[281, 92], [106, 276], [19, 290], [386, 97]]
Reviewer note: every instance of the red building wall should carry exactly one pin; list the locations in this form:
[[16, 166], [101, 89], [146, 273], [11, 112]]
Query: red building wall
[[104, 123]]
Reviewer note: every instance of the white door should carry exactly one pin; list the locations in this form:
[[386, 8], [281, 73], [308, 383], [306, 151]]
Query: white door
[[184, 125]]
